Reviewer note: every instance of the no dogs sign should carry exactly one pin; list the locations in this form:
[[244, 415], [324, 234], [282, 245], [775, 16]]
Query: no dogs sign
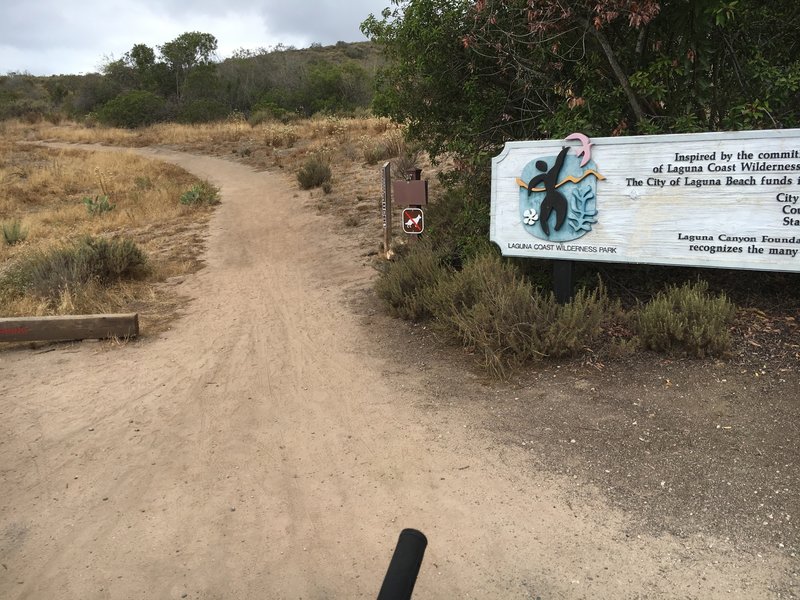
[[413, 221]]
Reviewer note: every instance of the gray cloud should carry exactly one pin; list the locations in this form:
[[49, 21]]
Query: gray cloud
[[323, 21], [49, 37]]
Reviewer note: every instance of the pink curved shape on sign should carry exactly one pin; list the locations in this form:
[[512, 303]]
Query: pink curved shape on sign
[[586, 146]]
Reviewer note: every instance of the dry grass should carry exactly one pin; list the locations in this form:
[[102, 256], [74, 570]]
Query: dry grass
[[212, 138], [44, 188]]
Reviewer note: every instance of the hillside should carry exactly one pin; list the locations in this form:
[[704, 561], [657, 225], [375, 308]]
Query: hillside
[[288, 80]]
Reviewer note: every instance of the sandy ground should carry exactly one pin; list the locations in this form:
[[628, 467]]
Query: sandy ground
[[265, 447]]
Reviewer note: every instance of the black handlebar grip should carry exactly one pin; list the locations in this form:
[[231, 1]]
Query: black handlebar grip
[[404, 566]]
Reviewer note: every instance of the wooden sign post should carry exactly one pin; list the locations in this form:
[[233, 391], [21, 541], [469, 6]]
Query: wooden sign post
[[386, 205], [563, 286]]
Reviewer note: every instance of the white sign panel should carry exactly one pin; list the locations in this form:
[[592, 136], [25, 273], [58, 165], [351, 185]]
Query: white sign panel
[[728, 200]]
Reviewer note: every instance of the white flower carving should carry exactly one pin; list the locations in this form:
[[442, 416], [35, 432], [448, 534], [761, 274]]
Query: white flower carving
[[530, 217]]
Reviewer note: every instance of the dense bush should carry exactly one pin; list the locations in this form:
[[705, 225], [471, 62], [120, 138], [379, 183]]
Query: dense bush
[[390, 146], [93, 91], [459, 221], [203, 111], [266, 110], [49, 273], [375, 152], [24, 108], [280, 136], [281, 84], [132, 109], [315, 172], [688, 320], [491, 308], [407, 282], [499, 314]]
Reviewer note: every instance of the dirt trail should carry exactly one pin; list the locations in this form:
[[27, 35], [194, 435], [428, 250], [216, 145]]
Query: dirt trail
[[262, 448]]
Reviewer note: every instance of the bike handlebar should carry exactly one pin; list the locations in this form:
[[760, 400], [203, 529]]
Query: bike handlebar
[[404, 566]]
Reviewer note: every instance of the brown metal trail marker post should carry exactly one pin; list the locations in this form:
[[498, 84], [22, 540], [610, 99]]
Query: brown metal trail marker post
[[386, 206], [412, 195]]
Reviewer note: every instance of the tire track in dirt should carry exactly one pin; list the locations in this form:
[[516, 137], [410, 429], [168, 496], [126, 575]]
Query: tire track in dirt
[[259, 450]]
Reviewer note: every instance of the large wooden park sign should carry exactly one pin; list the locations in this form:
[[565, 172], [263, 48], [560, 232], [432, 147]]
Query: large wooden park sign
[[728, 200]]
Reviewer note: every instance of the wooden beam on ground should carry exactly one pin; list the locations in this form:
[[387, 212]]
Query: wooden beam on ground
[[70, 327]]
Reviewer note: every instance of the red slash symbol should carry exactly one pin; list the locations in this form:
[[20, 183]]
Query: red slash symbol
[[413, 221]]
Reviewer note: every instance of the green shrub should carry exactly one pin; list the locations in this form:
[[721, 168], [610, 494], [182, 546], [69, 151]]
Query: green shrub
[[266, 112], [202, 111], [687, 320], [14, 232], [354, 52], [258, 117], [406, 282], [98, 205], [377, 152], [493, 310], [55, 117], [459, 221], [132, 109], [201, 194], [391, 146], [90, 120], [281, 136], [29, 109], [407, 159], [314, 173], [47, 274]]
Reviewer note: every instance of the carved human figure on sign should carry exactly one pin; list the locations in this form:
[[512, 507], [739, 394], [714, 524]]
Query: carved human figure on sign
[[557, 196], [553, 199]]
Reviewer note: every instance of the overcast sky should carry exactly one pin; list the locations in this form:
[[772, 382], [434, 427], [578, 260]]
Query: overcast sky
[[46, 37]]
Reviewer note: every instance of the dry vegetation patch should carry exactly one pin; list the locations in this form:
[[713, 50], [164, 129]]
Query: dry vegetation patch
[[51, 197], [59, 196]]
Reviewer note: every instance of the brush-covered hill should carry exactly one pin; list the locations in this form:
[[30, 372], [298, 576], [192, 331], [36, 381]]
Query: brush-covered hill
[[184, 81]]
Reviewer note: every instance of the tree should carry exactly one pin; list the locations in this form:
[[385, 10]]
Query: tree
[[118, 71], [150, 74], [138, 69], [468, 75], [244, 78], [141, 57], [93, 91], [187, 51], [430, 83], [332, 87], [202, 82], [132, 109]]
